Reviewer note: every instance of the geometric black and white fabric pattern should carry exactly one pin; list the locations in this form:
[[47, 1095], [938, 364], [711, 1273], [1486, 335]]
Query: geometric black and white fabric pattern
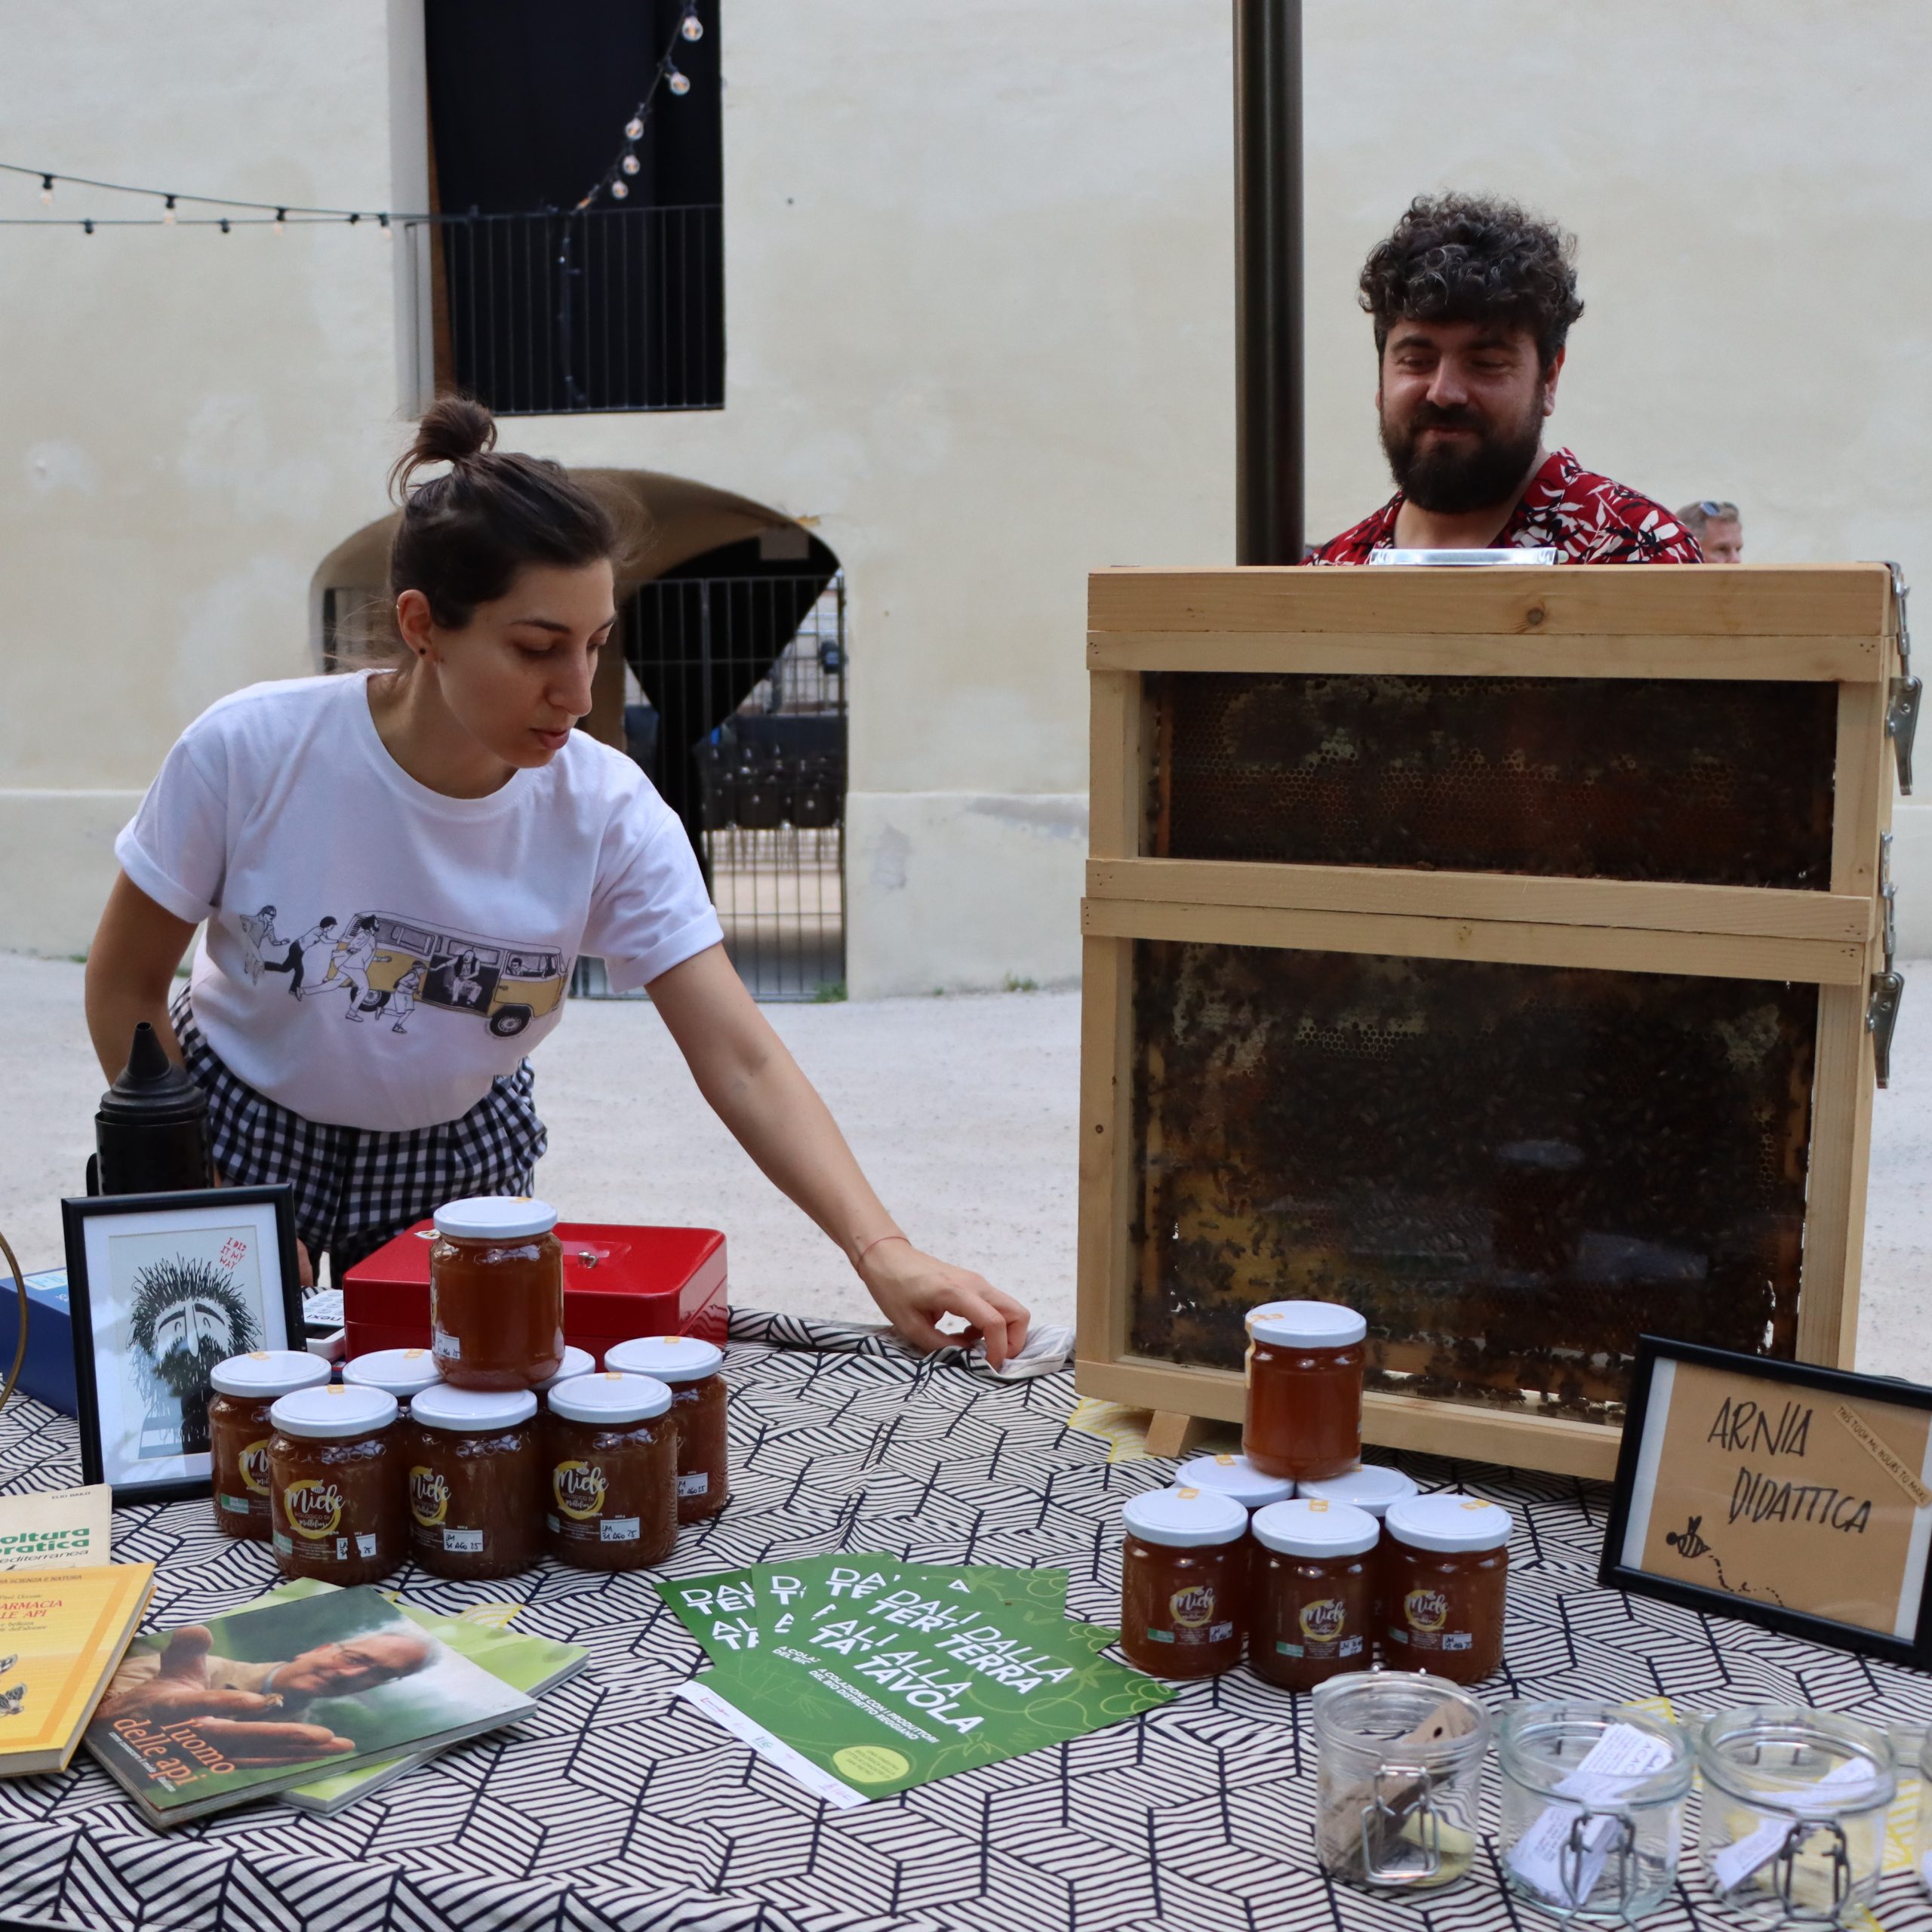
[[617, 1807]]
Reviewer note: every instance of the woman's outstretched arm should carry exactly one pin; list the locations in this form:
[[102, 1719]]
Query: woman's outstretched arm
[[758, 1091]]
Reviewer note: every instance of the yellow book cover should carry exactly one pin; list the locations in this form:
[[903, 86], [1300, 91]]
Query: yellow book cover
[[62, 1633]]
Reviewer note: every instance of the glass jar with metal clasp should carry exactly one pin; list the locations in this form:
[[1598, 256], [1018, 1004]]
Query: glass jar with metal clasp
[[1593, 1811], [1793, 1831], [1398, 1769]]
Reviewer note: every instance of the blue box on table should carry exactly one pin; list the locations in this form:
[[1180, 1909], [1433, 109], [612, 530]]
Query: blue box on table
[[47, 1374]]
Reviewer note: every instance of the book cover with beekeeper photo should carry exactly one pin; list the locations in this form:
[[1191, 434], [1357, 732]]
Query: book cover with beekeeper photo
[[211, 1714]]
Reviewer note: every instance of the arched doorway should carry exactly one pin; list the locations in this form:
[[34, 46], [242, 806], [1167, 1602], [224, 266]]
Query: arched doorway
[[730, 692]]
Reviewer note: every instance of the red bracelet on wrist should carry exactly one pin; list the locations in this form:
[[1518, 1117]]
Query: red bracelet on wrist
[[864, 1248]]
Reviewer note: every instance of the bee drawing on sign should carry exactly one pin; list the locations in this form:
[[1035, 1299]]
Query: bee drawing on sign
[[13, 1699], [1686, 1542], [1689, 1544]]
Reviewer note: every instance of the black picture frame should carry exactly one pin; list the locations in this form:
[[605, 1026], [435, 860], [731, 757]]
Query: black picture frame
[[281, 1298], [1614, 1573]]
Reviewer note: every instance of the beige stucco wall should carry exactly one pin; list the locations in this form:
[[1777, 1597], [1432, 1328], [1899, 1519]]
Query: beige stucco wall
[[978, 278]]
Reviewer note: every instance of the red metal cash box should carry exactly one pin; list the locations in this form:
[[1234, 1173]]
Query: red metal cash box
[[618, 1282]]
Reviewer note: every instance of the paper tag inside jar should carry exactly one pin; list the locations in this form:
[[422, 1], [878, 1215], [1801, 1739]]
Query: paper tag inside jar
[[365, 1543], [694, 1485], [447, 1348], [1623, 1756], [618, 1529], [1842, 1784], [462, 1542]]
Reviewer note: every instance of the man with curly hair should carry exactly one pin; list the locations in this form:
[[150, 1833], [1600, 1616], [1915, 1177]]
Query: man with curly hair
[[1472, 300]]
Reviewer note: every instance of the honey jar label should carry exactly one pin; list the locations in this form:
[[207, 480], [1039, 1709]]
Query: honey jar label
[[619, 1529], [1426, 1610], [313, 1508], [446, 1347], [1321, 1621], [255, 1466], [462, 1542], [698, 1484], [1192, 1607], [579, 1489], [428, 1496]]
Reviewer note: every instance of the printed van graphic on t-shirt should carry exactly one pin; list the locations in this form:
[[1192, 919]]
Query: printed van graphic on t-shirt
[[382, 967]]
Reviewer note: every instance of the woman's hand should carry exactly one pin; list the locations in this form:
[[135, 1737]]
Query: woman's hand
[[914, 1290]]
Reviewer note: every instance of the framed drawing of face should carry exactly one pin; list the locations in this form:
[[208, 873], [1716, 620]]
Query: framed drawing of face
[[163, 1287], [1789, 1495]]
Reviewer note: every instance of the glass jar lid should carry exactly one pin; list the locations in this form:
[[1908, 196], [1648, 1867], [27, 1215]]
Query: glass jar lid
[[1185, 1517], [1306, 1324], [402, 1373], [577, 1361], [1315, 1528], [1449, 1523], [671, 1358], [1235, 1476], [335, 1410], [471, 1411], [495, 1217], [610, 1397], [264, 1373], [1369, 1486]]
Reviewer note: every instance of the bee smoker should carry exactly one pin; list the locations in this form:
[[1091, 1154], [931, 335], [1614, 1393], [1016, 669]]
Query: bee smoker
[[151, 1134]]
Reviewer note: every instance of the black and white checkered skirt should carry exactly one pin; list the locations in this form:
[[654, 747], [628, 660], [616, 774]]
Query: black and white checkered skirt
[[355, 1187]]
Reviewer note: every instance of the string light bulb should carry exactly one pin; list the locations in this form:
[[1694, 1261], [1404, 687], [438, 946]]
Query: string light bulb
[[224, 224], [680, 83], [629, 164], [633, 128], [87, 226], [167, 212], [389, 233], [281, 219], [47, 189], [619, 190], [693, 27]]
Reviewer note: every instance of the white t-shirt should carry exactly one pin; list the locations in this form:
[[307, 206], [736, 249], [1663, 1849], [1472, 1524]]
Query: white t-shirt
[[376, 954]]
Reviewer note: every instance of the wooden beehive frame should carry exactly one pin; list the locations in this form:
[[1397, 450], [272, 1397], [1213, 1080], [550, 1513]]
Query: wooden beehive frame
[[1835, 623]]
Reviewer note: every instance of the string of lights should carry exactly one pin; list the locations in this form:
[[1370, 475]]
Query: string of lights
[[276, 216], [613, 181]]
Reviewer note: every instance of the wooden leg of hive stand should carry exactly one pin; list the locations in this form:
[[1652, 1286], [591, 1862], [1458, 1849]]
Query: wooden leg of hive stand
[[1170, 1433]]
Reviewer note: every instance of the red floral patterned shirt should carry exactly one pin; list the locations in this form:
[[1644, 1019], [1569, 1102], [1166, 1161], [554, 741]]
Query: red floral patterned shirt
[[1586, 518]]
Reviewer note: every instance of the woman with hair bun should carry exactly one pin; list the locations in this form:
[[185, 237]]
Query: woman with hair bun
[[447, 845]]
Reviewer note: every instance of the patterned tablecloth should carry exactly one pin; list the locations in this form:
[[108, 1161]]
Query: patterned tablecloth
[[617, 1807]]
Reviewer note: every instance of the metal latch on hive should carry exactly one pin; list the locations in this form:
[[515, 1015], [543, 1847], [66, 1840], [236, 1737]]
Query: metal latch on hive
[[1882, 1010], [1906, 690]]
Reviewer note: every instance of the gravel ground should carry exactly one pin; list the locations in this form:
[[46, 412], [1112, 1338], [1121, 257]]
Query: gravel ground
[[962, 1110]]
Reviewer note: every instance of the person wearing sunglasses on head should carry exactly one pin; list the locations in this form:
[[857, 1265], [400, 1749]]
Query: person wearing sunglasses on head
[[1471, 299], [1717, 527]]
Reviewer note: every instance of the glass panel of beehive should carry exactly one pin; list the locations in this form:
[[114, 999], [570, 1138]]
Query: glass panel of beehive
[[1715, 783], [1512, 1171]]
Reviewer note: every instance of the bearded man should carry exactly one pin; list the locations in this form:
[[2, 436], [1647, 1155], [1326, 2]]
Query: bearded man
[[1472, 300]]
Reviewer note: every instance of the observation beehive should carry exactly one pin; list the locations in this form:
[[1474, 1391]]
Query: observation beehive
[[1492, 950]]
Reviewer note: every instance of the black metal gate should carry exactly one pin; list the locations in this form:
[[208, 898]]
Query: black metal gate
[[743, 731]]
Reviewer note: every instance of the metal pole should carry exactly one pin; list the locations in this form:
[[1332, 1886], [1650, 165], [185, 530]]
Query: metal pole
[[1268, 250]]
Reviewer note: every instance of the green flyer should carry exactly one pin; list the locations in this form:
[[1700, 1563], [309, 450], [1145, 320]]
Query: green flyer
[[862, 1675]]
